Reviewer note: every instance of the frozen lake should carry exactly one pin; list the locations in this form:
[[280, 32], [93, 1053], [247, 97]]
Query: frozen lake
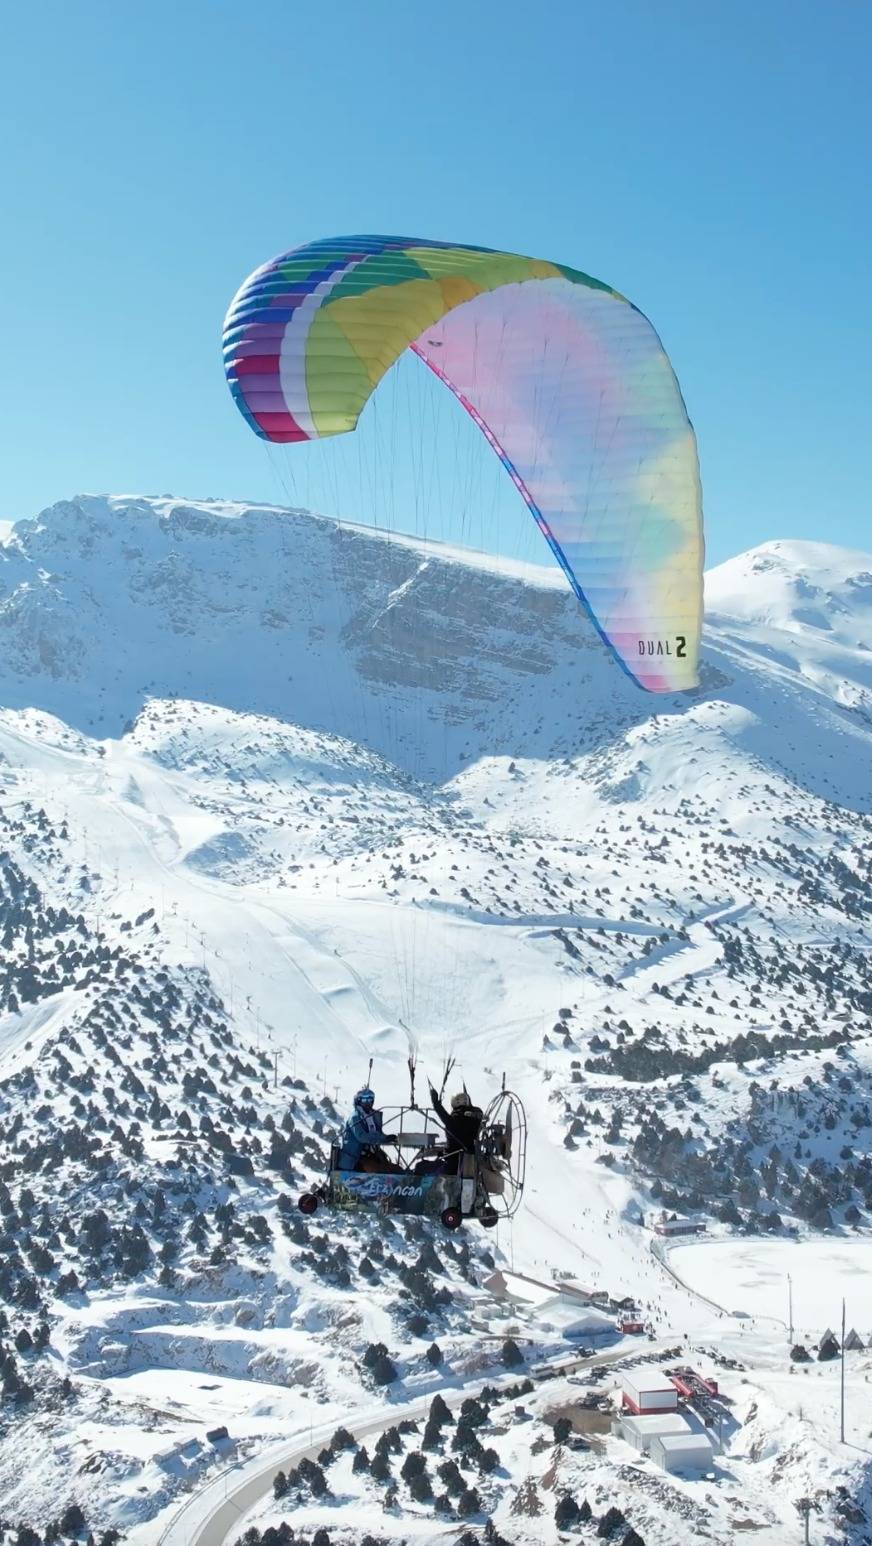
[[750, 1277]]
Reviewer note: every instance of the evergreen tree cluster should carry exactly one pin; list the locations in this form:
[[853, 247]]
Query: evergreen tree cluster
[[70, 1528]]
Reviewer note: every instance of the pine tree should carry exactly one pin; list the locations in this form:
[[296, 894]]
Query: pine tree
[[468, 1503], [440, 1410], [511, 1354], [609, 1523], [465, 1440], [473, 1412], [566, 1512], [380, 1467], [376, 1360], [451, 1476], [420, 1488], [72, 1520]]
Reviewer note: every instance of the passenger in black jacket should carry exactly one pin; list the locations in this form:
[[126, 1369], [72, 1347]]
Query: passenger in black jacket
[[462, 1123]]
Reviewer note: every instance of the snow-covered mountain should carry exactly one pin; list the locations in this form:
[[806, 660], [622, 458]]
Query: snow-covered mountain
[[796, 586], [280, 794]]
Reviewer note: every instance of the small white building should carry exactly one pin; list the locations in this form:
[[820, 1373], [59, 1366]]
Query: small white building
[[647, 1389], [675, 1225], [571, 1319], [641, 1431], [575, 1290], [684, 1452]]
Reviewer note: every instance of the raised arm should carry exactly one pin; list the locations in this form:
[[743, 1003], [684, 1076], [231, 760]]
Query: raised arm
[[439, 1109]]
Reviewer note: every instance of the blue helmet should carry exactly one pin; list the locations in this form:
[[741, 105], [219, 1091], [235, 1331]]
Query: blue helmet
[[365, 1098]]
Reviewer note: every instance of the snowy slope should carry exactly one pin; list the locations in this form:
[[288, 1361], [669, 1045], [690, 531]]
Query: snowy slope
[[352, 797]]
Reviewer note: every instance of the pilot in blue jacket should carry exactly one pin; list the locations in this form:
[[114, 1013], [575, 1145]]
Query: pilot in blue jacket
[[362, 1132]]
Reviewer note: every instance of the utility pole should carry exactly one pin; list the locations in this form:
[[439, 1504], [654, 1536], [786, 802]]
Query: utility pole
[[804, 1507], [842, 1381]]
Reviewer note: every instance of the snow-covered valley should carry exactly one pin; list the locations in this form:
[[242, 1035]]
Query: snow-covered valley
[[278, 796]]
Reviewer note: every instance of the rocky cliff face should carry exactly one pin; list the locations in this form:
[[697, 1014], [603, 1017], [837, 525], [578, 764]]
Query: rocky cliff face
[[107, 601], [429, 656]]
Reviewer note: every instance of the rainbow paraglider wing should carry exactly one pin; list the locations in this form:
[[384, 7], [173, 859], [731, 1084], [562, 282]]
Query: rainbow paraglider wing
[[566, 378]]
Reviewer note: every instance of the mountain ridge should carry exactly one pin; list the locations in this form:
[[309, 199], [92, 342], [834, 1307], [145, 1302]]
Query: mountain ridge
[[375, 621]]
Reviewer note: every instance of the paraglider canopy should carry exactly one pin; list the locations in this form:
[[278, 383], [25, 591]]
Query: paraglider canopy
[[567, 380]]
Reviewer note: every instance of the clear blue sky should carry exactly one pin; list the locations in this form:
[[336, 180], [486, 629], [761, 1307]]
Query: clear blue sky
[[710, 160]]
